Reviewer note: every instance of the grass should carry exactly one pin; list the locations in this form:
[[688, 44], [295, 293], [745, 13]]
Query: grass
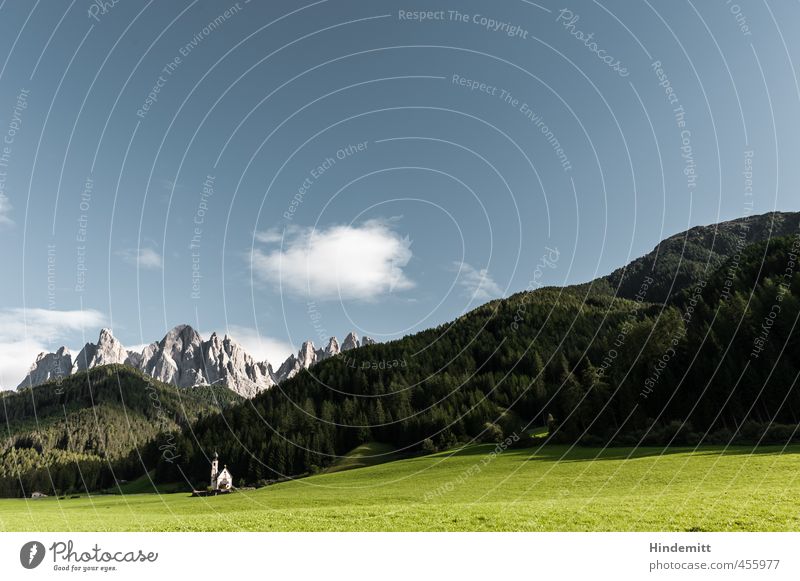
[[144, 484], [369, 454], [471, 489]]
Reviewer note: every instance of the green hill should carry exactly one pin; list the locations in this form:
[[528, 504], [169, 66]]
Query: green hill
[[684, 259], [94, 428]]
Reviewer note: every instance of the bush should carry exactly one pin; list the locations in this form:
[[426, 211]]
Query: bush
[[428, 446], [720, 437], [752, 431], [491, 433], [779, 434], [592, 441]]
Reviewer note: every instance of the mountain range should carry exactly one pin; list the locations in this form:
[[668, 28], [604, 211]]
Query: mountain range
[[680, 347], [182, 358]]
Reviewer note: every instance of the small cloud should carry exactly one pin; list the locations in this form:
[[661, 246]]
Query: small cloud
[[271, 236], [343, 262], [477, 283], [145, 258]]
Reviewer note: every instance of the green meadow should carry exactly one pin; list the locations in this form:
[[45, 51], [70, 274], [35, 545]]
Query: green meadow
[[472, 489]]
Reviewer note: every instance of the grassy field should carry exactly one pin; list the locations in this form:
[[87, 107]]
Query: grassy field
[[473, 490], [370, 454]]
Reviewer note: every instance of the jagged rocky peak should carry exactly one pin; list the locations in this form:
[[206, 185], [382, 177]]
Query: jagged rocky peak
[[227, 362], [367, 341], [184, 359], [48, 366], [305, 358], [307, 355], [331, 349], [178, 358], [107, 350], [350, 342], [181, 342]]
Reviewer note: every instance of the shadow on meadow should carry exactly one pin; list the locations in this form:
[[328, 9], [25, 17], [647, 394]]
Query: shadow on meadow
[[561, 453]]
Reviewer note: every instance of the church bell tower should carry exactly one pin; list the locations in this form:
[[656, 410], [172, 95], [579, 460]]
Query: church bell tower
[[214, 470]]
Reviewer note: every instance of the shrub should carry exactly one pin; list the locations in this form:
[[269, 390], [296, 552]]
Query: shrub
[[491, 433]]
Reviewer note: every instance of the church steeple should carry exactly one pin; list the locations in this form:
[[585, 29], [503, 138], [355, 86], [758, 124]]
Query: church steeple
[[214, 470]]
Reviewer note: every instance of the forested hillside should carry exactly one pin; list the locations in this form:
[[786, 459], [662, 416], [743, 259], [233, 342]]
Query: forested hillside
[[94, 426], [686, 258]]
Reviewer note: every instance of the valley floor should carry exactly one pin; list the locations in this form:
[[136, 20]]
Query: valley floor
[[553, 489]]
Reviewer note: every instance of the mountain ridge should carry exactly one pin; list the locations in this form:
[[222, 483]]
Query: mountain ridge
[[184, 359]]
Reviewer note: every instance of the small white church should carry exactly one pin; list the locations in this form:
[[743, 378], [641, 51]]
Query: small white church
[[220, 481]]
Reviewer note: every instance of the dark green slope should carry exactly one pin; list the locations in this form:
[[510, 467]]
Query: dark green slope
[[502, 368], [64, 437], [683, 259]]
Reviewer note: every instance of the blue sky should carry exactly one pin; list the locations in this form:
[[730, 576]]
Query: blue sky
[[287, 171]]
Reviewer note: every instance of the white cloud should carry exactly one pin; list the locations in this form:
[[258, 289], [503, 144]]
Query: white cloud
[[24, 333], [341, 262], [477, 283], [270, 236], [274, 351], [146, 258]]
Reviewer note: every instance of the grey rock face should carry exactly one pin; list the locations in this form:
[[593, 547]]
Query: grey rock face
[[106, 351], [225, 361], [178, 358], [183, 359], [350, 342], [331, 350], [305, 358], [48, 366]]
